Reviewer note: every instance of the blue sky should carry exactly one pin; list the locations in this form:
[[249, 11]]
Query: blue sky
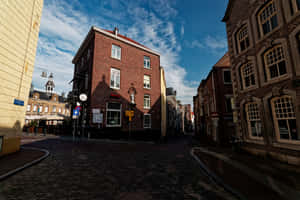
[[189, 36]]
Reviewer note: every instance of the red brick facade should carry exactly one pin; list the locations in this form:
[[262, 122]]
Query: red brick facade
[[131, 66]]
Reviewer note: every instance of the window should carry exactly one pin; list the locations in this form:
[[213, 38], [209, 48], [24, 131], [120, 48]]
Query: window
[[41, 109], [248, 76], [59, 110], [54, 109], [146, 101], [147, 62], [243, 39], [54, 99], [253, 120], [28, 108], [284, 118], [46, 109], [298, 4], [88, 54], [116, 52], [228, 104], [227, 76], [115, 78], [34, 108], [113, 115], [147, 82], [147, 121], [267, 18], [275, 62]]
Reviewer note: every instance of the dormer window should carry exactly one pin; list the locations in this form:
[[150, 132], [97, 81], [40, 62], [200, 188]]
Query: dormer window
[[267, 18], [242, 39]]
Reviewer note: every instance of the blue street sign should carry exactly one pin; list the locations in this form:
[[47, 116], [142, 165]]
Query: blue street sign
[[18, 102], [75, 112]]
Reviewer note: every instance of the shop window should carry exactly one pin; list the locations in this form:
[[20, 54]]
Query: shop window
[[113, 115]]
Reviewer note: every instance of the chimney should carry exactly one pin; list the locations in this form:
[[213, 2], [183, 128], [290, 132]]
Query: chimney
[[116, 31]]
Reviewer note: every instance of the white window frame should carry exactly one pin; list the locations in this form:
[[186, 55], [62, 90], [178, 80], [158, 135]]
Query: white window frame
[[54, 109], [46, 109], [150, 124], [268, 18], [114, 110], [249, 73], [292, 116], [242, 36], [227, 70], [34, 108], [147, 62], [28, 108], [269, 65], [146, 96], [59, 110], [116, 51], [147, 82], [254, 116], [115, 78]]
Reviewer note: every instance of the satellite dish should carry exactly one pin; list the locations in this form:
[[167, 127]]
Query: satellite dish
[[83, 97]]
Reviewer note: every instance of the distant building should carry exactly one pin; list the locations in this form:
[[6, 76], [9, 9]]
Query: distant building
[[47, 105], [174, 115], [20, 25], [264, 41], [213, 104], [118, 74]]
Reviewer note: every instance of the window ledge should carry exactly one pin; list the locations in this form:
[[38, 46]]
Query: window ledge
[[116, 58], [146, 108], [148, 68], [248, 89], [293, 145], [277, 79], [263, 37], [255, 141], [114, 88], [147, 88]]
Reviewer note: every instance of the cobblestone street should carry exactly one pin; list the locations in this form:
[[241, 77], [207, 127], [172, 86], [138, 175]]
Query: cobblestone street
[[99, 170]]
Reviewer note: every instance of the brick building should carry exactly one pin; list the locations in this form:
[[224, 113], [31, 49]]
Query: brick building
[[47, 106], [118, 74], [213, 104], [264, 41], [20, 25]]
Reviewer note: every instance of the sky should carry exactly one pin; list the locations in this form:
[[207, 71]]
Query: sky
[[189, 36]]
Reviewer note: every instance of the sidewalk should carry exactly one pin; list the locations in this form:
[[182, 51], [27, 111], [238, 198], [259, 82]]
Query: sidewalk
[[26, 157], [253, 177]]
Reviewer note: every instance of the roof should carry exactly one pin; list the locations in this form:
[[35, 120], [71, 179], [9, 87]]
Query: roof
[[111, 34], [228, 10], [223, 62], [47, 97]]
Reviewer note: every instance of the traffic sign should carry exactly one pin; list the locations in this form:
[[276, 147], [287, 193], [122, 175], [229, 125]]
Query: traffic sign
[[75, 112]]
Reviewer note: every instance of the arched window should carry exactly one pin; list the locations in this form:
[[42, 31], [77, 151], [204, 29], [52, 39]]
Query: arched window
[[247, 75], [275, 64], [253, 120], [284, 118], [267, 18], [242, 39]]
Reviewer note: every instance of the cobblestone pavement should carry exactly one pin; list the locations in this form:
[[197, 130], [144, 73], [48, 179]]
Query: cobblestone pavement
[[97, 170]]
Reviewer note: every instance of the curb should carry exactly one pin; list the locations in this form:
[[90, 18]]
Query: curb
[[12, 172], [104, 141], [266, 180], [215, 178]]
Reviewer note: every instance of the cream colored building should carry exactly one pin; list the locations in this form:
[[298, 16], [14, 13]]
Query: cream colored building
[[19, 31], [163, 103]]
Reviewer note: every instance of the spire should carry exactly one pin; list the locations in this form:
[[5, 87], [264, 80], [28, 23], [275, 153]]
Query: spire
[[50, 84]]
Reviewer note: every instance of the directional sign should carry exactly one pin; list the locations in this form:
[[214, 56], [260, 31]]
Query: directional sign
[[75, 112], [130, 114]]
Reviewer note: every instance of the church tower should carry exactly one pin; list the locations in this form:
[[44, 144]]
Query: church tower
[[50, 85]]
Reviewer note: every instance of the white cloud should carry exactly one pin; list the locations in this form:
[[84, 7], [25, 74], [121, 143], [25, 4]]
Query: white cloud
[[182, 31], [63, 28], [216, 42], [196, 44]]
